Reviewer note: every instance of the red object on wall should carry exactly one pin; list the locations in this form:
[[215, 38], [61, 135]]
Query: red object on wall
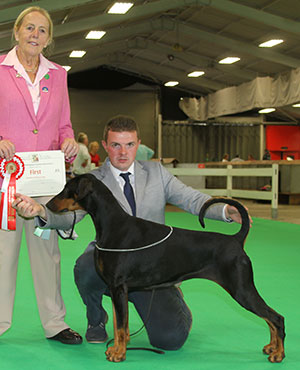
[[283, 141]]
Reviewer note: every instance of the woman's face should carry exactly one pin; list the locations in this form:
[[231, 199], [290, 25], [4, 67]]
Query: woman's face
[[33, 34]]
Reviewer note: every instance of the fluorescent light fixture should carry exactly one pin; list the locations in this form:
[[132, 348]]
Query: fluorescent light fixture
[[229, 60], [120, 8], [67, 68], [270, 43], [77, 53], [266, 110], [296, 105], [196, 74], [95, 35], [171, 83]]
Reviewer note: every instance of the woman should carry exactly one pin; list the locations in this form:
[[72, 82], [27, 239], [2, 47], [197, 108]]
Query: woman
[[82, 162], [34, 116], [93, 149]]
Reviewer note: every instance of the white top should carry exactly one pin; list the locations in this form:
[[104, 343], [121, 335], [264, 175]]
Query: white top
[[82, 156]]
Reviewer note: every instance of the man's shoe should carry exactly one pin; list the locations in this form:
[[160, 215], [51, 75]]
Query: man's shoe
[[97, 334], [67, 336]]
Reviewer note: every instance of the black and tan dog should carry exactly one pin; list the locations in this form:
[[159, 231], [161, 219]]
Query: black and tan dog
[[137, 254]]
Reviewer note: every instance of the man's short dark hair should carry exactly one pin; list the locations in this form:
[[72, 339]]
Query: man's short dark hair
[[120, 124]]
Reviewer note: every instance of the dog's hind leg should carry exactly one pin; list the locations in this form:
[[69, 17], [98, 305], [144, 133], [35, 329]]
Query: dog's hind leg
[[117, 352], [237, 279]]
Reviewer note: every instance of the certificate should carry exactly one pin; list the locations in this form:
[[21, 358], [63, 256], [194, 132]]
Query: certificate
[[44, 173]]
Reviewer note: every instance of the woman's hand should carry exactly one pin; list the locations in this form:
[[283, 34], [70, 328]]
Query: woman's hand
[[69, 147], [28, 207], [7, 149]]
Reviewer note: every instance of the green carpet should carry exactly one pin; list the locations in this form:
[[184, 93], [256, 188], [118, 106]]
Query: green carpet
[[223, 336]]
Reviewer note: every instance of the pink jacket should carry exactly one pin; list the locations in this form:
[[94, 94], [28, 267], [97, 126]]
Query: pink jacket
[[17, 117]]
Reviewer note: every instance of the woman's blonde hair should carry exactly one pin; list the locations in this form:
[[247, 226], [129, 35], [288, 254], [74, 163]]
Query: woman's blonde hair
[[20, 20], [81, 137], [93, 144]]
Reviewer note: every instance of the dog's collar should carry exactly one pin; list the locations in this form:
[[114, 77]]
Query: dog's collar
[[135, 249]]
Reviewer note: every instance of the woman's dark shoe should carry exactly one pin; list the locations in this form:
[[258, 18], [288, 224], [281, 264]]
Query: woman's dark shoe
[[68, 336]]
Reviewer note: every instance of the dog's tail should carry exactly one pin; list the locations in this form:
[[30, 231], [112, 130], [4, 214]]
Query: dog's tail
[[241, 235]]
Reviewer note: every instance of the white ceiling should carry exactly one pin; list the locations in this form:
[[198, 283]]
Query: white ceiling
[[164, 40]]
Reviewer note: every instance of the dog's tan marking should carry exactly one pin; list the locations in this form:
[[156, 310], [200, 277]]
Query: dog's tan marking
[[58, 205], [117, 352], [100, 265], [275, 348]]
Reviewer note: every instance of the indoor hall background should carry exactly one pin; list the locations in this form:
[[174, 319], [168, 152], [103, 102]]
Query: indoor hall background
[[197, 142], [91, 109], [188, 142]]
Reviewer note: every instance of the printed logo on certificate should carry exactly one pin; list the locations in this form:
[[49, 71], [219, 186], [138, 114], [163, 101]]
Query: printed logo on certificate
[[44, 173]]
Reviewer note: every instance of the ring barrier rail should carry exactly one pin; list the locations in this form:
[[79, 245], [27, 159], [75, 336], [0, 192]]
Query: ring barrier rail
[[230, 172]]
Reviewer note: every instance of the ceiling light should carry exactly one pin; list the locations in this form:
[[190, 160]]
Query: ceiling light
[[77, 53], [296, 105], [95, 35], [196, 74], [266, 110], [120, 8], [171, 83], [270, 43], [229, 60], [67, 68]]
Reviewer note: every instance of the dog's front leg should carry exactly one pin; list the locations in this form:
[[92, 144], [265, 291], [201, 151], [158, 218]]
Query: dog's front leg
[[117, 352]]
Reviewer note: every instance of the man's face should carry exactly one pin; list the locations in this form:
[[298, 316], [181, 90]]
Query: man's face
[[121, 148]]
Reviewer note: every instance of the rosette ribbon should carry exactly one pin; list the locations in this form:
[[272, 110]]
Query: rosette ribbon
[[10, 171]]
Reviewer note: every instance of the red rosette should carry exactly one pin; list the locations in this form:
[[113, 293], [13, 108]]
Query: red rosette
[[15, 165], [10, 171]]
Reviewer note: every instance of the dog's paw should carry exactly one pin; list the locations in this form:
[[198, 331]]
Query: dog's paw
[[276, 356], [269, 348], [115, 354]]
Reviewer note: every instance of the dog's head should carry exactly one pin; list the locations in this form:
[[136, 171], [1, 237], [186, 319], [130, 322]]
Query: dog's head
[[71, 198]]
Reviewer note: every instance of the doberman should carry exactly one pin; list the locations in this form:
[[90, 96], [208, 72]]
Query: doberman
[[134, 254]]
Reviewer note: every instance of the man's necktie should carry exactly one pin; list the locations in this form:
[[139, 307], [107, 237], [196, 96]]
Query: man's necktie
[[128, 192]]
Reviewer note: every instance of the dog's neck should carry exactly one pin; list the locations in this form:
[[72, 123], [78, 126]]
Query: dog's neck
[[108, 216]]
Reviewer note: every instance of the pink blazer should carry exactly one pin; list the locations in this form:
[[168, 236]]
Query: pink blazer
[[17, 117]]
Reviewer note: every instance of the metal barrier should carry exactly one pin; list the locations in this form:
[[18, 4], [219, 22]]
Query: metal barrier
[[230, 172]]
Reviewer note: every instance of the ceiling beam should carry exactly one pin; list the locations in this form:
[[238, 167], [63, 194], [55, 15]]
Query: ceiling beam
[[256, 15], [114, 50], [10, 14], [238, 46], [170, 73], [118, 34], [126, 33], [166, 24], [195, 60], [107, 20], [145, 68]]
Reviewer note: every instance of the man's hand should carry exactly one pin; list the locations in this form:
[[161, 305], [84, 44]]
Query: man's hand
[[69, 147], [233, 213], [28, 207]]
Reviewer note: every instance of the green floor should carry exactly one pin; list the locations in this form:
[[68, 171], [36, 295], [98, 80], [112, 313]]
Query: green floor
[[223, 336]]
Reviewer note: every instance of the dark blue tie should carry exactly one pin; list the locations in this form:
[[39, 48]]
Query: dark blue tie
[[128, 192]]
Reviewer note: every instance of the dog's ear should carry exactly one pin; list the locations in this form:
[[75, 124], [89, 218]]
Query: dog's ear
[[85, 187]]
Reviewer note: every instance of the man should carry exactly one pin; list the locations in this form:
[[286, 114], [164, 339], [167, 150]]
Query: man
[[165, 314], [144, 153]]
